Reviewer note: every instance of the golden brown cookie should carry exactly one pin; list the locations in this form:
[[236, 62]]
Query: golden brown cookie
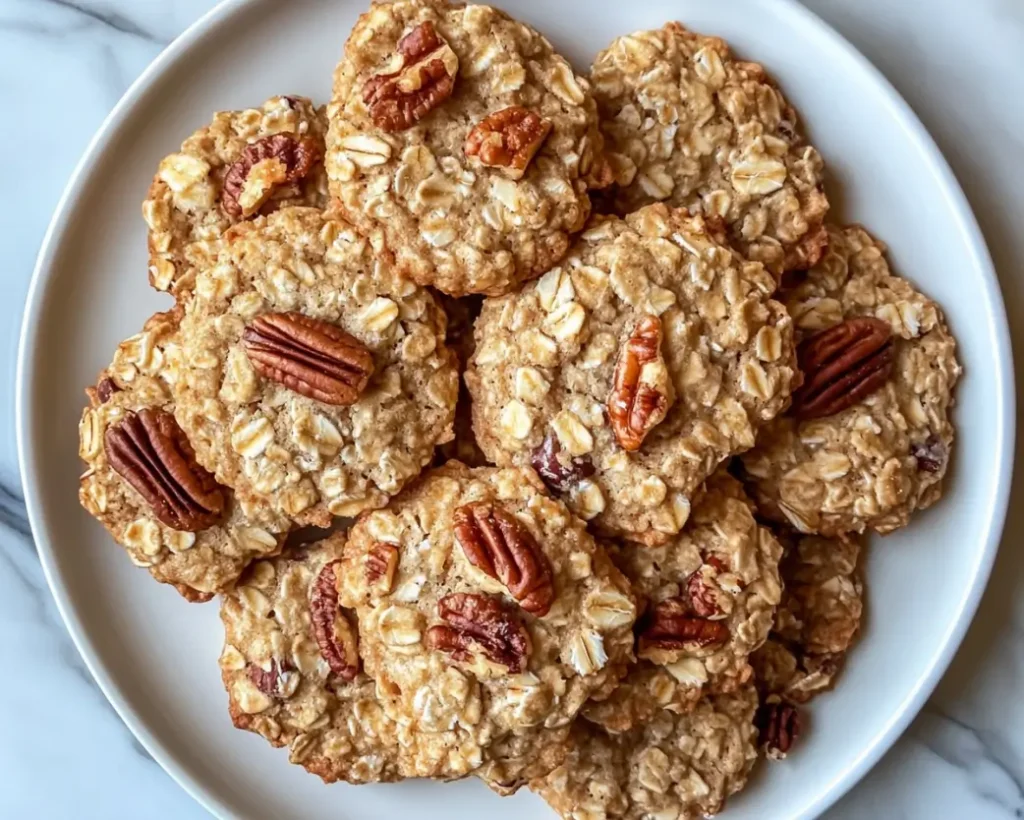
[[144, 484], [868, 440], [688, 124], [314, 376], [628, 373], [291, 668], [466, 138], [242, 164], [488, 617]]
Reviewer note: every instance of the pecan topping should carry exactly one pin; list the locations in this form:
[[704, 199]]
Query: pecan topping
[[151, 452], [312, 357], [703, 593], [333, 632], [560, 472], [642, 393], [930, 454], [268, 681], [479, 623], [779, 726], [670, 625], [106, 388], [496, 542], [380, 566], [424, 79], [508, 139], [842, 366], [280, 159]]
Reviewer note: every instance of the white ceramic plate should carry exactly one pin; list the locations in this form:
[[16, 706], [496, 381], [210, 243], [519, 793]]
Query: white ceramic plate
[[156, 657]]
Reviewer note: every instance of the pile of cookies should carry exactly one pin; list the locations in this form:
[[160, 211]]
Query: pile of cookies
[[598, 533]]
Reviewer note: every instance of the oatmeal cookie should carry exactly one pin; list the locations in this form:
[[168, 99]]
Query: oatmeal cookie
[[817, 621], [626, 374], [462, 134], [708, 600], [142, 481], [489, 616], [675, 766], [315, 377], [868, 439], [242, 164], [290, 665], [688, 124]]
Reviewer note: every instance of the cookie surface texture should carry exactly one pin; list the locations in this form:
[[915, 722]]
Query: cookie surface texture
[[290, 665], [688, 124], [242, 164], [465, 137], [142, 481], [679, 766], [489, 617], [868, 440], [315, 377], [817, 621], [628, 373]]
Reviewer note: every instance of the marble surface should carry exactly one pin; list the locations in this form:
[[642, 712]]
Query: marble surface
[[65, 63]]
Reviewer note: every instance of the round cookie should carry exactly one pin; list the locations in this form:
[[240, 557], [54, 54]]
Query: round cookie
[[675, 766], [242, 164], [315, 377], [708, 598], [817, 621], [489, 616], [627, 374], [290, 665], [868, 439], [144, 485], [687, 124], [464, 136]]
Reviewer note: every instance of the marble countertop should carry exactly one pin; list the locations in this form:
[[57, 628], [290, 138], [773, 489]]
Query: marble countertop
[[64, 64]]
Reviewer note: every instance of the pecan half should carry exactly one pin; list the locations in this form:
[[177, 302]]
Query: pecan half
[[560, 472], [496, 542], [268, 681], [312, 357], [671, 625], [842, 366], [931, 455], [479, 623], [779, 727], [380, 566], [704, 593], [151, 452], [265, 165], [106, 388], [642, 393], [333, 631], [424, 79], [508, 139]]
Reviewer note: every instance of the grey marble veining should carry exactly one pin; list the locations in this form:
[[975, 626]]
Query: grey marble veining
[[65, 63]]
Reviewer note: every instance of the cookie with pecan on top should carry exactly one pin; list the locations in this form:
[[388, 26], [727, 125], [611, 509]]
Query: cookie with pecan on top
[[314, 376], [868, 439], [290, 664], [466, 138], [144, 484], [707, 597], [626, 374], [242, 164], [489, 616]]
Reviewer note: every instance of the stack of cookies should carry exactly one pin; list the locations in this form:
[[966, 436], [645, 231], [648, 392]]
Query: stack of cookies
[[598, 533]]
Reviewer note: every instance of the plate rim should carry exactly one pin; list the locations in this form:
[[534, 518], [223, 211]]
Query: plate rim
[[898, 109]]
